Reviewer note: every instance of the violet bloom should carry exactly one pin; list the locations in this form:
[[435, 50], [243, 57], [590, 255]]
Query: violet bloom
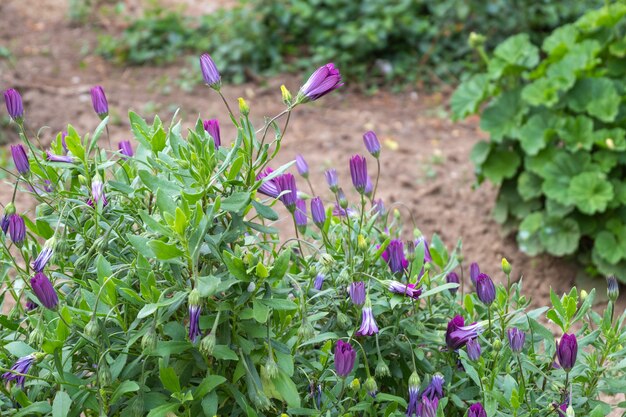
[[99, 101], [379, 207], [394, 256], [44, 256], [405, 289], [485, 289], [358, 171], [209, 72], [15, 107], [332, 179], [474, 272], [427, 255], [319, 282], [356, 290], [340, 212], [453, 278], [476, 410], [268, 187], [31, 305], [368, 322], [457, 333], [63, 142], [344, 358], [18, 152], [213, 129], [19, 370], [97, 192], [59, 158], [434, 390], [429, 407], [44, 291], [516, 339], [371, 143], [286, 185], [4, 224], [369, 187], [567, 350], [413, 406], [17, 229], [194, 322], [300, 214], [317, 211], [126, 148], [473, 349], [302, 166], [324, 80]]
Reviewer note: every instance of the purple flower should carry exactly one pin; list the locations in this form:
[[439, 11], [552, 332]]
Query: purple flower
[[516, 339], [6, 221], [213, 128], [394, 256], [368, 322], [44, 256], [413, 406], [31, 305], [429, 407], [473, 349], [612, 288], [59, 158], [324, 80], [14, 104], [567, 350], [97, 192], [356, 290], [99, 101], [427, 255], [209, 71], [302, 166], [300, 213], [17, 229], [344, 358], [332, 180], [369, 187], [453, 278], [457, 334], [476, 410], [358, 171], [194, 322], [474, 272], [371, 143], [268, 187], [22, 366], [317, 211], [341, 199], [20, 159], [379, 207], [434, 390], [44, 291], [561, 409], [405, 289], [340, 212], [485, 289], [63, 142], [319, 282], [126, 148], [286, 185]]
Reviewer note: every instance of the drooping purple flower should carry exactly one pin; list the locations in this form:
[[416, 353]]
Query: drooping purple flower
[[427, 255], [126, 148], [59, 158], [317, 211], [414, 406], [394, 256], [286, 184], [476, 410], [516, 339], [379, 207], [356, 290], [212, 127], [319, 282], [473, 349], [332, 179], [429, 406], [324, 80], [485, 289], [44, 256], [434, 390], [209, 71], [567, 350], [302, 166], [457, 334], [99, 101], [194, 322], [17, 229], [612, 288], [344, 358], [358, 171], [18, 152], [453, 278], [13, 101], [474, 272], [300, 213], [19, 370], [268, 187], [97, 192], [371, 143], [405, 289], [44, 291], [368, 322]]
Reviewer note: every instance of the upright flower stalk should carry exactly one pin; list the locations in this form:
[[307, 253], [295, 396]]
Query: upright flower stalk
[[14, 104]]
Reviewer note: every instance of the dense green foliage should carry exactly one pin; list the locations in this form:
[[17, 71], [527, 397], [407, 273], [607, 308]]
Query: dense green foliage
[[375, 41], [556, 119]]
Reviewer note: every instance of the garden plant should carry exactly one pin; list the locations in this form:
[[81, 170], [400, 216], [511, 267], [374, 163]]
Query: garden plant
[[150, 280]]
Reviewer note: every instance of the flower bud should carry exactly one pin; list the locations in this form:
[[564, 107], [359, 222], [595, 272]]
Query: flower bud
[[612, 288], [20, 159], [327, 261], [207, 344], [306, 331], [485, 289], [36, 337], [497, 345], [382, 370], [92, 329], [341, 197], [343, 321], [570, 412], [362, 242], [149, 340], [371, 387], [15, 106], [209, 72], [251, 287], [476, 40], [243, 107], [371, 143], [473, 349], [287, 98], [567, 350], [271, 368], [414, 381], [99, 101], [506, 266], [355, 385]]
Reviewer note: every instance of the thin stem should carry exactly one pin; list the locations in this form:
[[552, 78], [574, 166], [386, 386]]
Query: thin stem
[[522, 380], [377, 178], [232, 115], [106, 127], [310, 185]]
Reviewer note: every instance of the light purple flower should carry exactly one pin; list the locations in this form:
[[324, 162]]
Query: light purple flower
[[319, 282], [379, 207], [13, 101], [126, 148], [44, 256], [414, 406], [209, 71], [476, 410], [453, 278], [474, 272], [18, 152], [457, 334], [194, 322], [371, 143], [358, 171], [368, 322], [44, 291], [404, 289], [429, 407], [59, 158], [212, 127], [318, 212], [427, 255], [97, 192], [332, 179], [302, 166], [356, 290], [286, 185], [31, 305], [369, 187], [99, 101], [473, 349], [434, 390], [516, 339], [17, 229], [268, 187], [324, 80], [22, 366], [63, 142], [300, 213], [340, 212]]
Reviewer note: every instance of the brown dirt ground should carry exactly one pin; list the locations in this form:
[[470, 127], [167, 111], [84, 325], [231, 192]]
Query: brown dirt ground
[[425, 160]]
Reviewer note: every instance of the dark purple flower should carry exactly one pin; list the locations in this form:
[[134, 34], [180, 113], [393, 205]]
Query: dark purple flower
[[286, 185], [324, 80], [300, 213], [612, 288], [268, 187], [434, 390], [356, 290], [485, 289], [19, 370], [44, 256], [405, 289], [453, 278], [99, 101], [358, 171], [561, 409], [473, 349], [5, 223], [209, 71], [567, 350], [394, 256], [379, 207], [20, 159], [31, 305], [302, 166], [344, 358], [474, 272], [213, 128], [332, 180], [13, 101], [194, 322], [476, 410], [319, 282], [429, 407], [414, 406], [17, 229], [44, 291], [371, 143], [457, 334], [59, 158], [516, 339], [368, 322], [317, 211], [126, 148]]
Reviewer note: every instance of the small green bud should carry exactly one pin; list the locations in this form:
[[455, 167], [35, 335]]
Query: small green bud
[[248, 258], [9, 208], [327, 261], [570, 411], [371, 387], [506, 266], [82, 180], [382, 370], [497, 345], [476, 40], [271, 368], [149, 340], [207, 344], [306, 331], [460, 257], [243, 107], [287, 98], [355, 385], [284, 415], [36, 337], [343, 321], [612, 288], [414, 381], [583, 295], [194, 298], [261, 270], [362, 242], [92, 329]]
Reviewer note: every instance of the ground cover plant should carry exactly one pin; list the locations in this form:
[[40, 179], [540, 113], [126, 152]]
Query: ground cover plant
[[150, 280]]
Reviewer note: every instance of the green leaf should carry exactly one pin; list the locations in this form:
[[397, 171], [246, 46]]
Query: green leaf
[[236, 202], [265, 211], [528, 234], [559, 172], [468, 96], [163, 409], [577, 132], [503, 115], [597, 96], [541, 92], [607, 247], [518, 51], [536, 132], [18, 349], [260, 311], [500, 164], [165, 251], [225, 353], [207, 285], [287, 389], [480, 152], [124, 388], [208, 384], [560, 236], [529, 185], [61, 404], [560, 40], [169, 378], [39, 407], [591, 192]]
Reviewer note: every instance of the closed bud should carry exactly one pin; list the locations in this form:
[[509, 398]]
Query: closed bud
[[506, 266], [287, 98], [341, 197], [207, 344], [476, 40], [271, 368], [382, 370], [243, 107], [570, 412], [261, 270], [497, 345], [251, 287], [355, 385], [36, 337], [149, 340], [9, 209], [583, 295], [306, 331], [612, 288], [92, 329], [327, 260], [343, 321], [362, 242], [414, 381], [371, 387], [82, 180]]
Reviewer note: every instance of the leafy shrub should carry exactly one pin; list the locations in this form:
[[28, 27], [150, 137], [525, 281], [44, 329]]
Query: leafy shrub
[[163, 289], [556, 118]]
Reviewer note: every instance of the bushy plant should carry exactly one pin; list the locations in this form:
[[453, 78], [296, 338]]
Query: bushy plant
[[556, 150], [163, 289]]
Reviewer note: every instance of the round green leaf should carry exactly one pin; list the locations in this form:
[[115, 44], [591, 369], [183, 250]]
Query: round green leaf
[[590, 192], [560, 236], [606, 246]]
